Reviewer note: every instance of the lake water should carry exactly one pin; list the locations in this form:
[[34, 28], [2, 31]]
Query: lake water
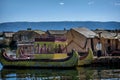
[[16, 26], [79, 73]]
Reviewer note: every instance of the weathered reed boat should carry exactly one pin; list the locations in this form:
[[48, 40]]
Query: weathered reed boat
[[86, 59], [43, 52]]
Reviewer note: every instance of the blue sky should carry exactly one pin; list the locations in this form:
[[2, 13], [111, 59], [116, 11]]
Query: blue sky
[[59, 10]]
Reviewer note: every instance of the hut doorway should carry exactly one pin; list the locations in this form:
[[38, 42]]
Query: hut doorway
[[92, 44]]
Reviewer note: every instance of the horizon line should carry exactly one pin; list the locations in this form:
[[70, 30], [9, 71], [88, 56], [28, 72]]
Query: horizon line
[[57, 21]]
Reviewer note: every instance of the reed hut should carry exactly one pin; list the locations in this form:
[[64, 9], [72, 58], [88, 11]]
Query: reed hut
[[8, 35], [25, 40], [108, 39], [80, 39], [28, 35], [56, 33]]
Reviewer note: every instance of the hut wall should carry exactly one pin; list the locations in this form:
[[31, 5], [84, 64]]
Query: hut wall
[[113, 44], [94, 42], [103, 41], [77, 41], [105, 45], [88, 45], [118, 45], [73, 46]]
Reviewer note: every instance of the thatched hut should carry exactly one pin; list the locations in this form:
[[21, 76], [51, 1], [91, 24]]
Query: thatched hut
[[6, 38], [28, 35], [108, 39], [8, 35], [80, 39], [56, 33]]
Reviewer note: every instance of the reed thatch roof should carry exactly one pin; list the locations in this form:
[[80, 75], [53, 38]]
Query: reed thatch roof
[[59, 32], [8, 34], [106, 34], [30, 31], [39, 31], [85, 32]]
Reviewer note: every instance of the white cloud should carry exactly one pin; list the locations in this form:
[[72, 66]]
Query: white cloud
[[91, 2], [117, 4], [61, 3]]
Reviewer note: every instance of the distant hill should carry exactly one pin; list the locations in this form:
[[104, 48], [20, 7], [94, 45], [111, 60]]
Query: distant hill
[[15, 26]]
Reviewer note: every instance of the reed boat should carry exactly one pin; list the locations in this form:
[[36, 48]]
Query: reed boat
[[43, 52], [86, 59]]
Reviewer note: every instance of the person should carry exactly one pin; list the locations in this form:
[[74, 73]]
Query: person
[[44, 49], [37, 48], [59, 49], [99, 48], [21, 52]]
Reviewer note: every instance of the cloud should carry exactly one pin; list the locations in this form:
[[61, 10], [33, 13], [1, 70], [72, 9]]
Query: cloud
[[91, 2], [117, 3], [61, 3]]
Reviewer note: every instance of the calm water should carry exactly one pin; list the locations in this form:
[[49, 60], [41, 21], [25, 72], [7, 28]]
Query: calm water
[[87, 73]]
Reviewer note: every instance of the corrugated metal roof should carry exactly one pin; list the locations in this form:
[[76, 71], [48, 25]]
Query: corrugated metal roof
[[86, 32], [57, 31]]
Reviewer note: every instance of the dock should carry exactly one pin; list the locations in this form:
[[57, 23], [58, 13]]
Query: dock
[[106, 61]]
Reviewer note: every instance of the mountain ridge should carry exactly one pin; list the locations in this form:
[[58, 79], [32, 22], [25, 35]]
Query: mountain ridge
[[58, 25]]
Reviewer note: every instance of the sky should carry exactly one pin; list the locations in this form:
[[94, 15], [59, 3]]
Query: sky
[[59, 10]]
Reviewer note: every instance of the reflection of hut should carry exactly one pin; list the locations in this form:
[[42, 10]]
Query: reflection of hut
[[80, 39], [28, 35], [108, 38]]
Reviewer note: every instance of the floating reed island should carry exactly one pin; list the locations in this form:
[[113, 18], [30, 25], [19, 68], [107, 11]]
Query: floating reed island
[[78, 39], [106, 61]]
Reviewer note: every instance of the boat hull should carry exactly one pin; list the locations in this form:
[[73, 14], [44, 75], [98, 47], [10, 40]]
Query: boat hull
[[36, 62], [87, 60]]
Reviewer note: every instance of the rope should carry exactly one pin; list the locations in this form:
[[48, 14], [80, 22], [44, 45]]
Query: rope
[[80, 45]]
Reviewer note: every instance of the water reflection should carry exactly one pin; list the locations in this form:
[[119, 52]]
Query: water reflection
[[89, 73], [107, 74], [98, 73], [39, 74]]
